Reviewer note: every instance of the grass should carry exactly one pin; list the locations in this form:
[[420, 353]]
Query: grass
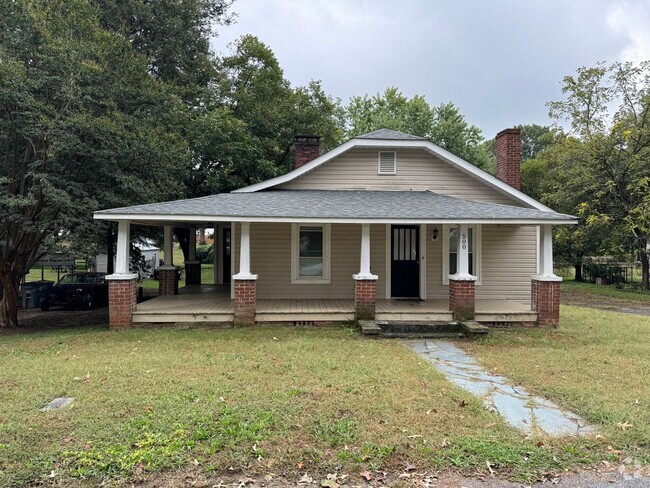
[[596, 363], [609, 291], [273, 399]]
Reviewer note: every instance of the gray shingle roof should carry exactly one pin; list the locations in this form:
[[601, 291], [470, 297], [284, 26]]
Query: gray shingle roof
[[339, 205], [388, 134]]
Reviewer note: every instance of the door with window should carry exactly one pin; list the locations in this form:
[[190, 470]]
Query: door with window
[[405, 261]]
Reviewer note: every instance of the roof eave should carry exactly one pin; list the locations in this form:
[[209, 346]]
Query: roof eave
[[239, 218]]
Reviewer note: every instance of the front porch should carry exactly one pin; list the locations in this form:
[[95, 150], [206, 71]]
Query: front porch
[[213, 304]]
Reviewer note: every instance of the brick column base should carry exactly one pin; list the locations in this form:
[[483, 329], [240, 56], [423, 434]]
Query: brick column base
[[462, 298], [245, 302], [545, 300], [122, 300], [192, 272], [167, 281], [365, 299]]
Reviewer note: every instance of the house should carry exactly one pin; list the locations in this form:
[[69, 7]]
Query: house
[[387, 226]]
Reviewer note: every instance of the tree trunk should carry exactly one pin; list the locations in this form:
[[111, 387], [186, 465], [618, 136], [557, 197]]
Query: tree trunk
[[645, 271], [9, 301], [110, 250], [202, 236], [578, 267], [183, 236]]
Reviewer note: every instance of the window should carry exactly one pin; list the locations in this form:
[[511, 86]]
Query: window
[[450, 252], [387, 164], [310, 253]]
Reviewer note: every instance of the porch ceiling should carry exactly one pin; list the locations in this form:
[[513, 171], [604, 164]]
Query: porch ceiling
[[344, 206]]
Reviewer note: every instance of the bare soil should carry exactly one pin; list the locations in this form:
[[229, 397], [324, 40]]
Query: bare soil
[[583, 298]]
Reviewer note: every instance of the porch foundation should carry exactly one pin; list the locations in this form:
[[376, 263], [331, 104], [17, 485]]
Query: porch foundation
[[192, 272], [365, 299], [545, 300], [122, 300], [167, 281], [245, 302], [462, 299]]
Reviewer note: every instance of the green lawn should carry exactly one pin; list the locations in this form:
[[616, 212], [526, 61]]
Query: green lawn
[[271, 399], [609, 291], [596, 363]]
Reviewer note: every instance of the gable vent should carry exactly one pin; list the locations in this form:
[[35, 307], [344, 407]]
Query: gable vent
[[387, 163]]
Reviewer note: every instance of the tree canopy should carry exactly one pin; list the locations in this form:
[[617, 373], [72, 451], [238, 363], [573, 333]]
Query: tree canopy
[[443, 125]]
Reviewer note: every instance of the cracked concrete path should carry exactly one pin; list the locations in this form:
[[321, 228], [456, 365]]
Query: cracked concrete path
[[532, 414]]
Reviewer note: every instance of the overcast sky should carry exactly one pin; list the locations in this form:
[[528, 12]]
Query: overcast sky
[[500, 61]]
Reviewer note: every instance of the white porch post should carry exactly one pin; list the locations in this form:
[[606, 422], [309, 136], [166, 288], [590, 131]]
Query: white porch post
[[122, 285], [364, 265], [365, 283], [168, 246], [123, 243], [546, 255], [192, 244], [245, 254], [462, 268]]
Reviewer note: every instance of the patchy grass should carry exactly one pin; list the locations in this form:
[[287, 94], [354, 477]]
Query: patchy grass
[[609, 291], [259, 400], [596, 363]]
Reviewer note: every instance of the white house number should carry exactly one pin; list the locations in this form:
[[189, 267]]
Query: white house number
[[463, 241]]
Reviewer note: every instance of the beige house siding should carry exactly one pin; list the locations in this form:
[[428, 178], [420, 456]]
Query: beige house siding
[[416, 170], [508, 259], [271, 261]]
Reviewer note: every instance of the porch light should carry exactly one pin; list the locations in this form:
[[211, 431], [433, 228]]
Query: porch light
[[434, 234]]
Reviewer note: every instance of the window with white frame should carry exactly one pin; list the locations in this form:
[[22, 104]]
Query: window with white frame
[[310, 253], [450, 252]]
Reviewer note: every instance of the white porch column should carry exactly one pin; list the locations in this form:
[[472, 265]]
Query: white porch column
[[546, 255], [245, 254], [192, 244], [462, 268], [168, 246], [123, 244], [364, 265]]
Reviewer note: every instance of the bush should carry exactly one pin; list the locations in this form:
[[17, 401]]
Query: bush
[[204, 254]]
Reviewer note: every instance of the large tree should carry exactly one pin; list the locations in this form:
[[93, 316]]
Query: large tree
[[82, 122], [602, 170], [444, 125]]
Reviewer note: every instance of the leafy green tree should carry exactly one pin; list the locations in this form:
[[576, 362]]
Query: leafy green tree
[[83, 126], [443, 125], [602, 172]]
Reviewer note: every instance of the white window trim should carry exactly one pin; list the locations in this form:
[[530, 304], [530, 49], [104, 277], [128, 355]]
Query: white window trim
[[477, 234], [379, 172], [327, 248]]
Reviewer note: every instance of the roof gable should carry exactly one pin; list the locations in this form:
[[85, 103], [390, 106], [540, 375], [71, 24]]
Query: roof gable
[[398, 140]]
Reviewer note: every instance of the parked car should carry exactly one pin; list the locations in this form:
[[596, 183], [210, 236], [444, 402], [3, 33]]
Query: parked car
[[78, 290]]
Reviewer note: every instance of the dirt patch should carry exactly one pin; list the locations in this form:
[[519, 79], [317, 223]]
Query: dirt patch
[[34, 320], [583, 298]]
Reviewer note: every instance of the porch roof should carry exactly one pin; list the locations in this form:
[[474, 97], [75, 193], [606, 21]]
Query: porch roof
[[343, 206]]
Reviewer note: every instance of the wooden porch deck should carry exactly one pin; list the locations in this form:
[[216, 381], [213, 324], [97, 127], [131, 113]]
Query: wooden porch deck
[[212, 304]]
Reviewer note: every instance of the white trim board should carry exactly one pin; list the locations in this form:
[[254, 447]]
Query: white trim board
[[156, 219], [454, 160]]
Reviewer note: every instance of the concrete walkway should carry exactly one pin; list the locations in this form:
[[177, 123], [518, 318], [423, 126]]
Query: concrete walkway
[[532, 414]]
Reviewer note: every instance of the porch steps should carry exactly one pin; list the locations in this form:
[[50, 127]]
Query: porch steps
[[422, 329], [166, 317]]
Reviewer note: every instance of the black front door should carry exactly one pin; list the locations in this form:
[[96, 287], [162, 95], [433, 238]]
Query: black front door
[[405, 261], [226, 256]]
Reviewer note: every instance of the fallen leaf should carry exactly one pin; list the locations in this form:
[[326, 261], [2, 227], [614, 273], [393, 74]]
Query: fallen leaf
[[462, 404], [539, 444], [415, 436], [489, 467], [624, 425], [306, 479], [444, 442], [410, 467], [432, 410], [245, 481], [276, 339], [366, 475], [329, 484]]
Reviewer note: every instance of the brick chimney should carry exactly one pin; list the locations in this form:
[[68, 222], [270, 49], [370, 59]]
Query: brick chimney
[[508, 147], [307, 149]]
